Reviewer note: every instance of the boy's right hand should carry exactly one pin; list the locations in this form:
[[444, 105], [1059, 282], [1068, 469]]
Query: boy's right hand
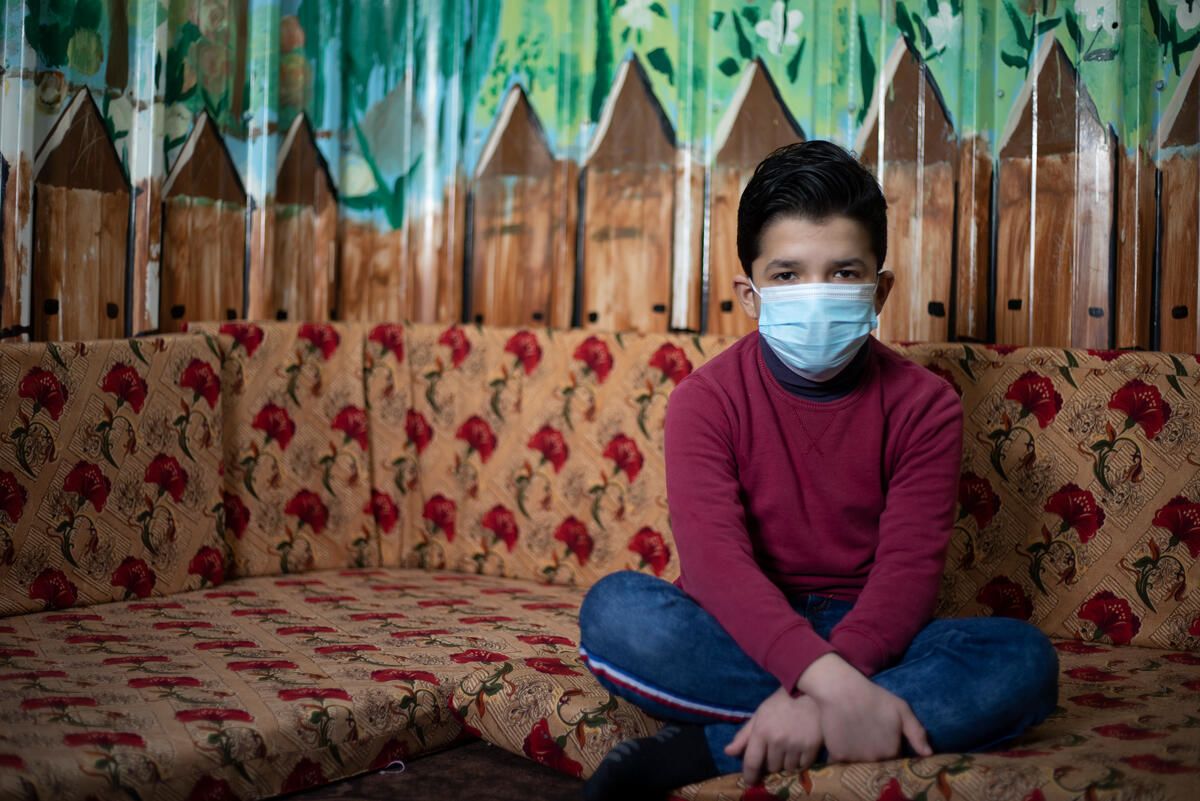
[[860, 721]]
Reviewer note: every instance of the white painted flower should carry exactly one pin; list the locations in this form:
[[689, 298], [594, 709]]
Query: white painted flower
[[178, 121], [357, 178], [1098, 14], [1187, 13], [778, 31], [942, 26], [120, 111], [637, 14]]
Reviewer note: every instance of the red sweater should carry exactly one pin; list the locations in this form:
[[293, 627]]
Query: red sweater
[[771, 495]]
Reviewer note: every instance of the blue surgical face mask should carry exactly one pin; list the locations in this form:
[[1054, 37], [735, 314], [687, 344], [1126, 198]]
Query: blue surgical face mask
[[817, 328]]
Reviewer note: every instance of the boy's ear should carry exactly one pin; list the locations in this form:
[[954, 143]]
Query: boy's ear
[[746, 296], [887, 280]]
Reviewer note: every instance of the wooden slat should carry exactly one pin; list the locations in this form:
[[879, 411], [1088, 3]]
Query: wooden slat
[[1057, 174], [204, 248], [81, 222], [919, 158], [1179, 260], [374, 274], [628, 211], [973, 263], [1135, 249], [301, 282], [756, 123]]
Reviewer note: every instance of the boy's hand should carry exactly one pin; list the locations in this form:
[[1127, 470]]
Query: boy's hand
[[784, 734], [860, 721]]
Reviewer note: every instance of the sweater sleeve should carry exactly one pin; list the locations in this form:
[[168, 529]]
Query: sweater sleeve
[[708, 520], [914, 531]]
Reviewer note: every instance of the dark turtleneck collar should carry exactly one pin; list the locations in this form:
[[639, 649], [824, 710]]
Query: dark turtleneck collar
[[839, 386]]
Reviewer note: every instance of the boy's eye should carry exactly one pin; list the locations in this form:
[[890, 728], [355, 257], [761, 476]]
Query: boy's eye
[[847, 274], [784, 276]]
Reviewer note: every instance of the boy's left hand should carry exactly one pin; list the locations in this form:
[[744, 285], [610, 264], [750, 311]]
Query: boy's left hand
[[783, 734]]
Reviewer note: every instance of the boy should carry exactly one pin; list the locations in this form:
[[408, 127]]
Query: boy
[[811, 479]]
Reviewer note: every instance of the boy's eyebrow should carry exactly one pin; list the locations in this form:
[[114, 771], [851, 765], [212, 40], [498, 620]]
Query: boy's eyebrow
[[788, 263], [852, 261]]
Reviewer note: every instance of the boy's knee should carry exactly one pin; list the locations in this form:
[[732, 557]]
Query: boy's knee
[[1034, 658], [611, 608]]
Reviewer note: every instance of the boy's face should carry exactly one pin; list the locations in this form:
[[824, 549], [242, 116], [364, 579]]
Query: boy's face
[[797, 250]]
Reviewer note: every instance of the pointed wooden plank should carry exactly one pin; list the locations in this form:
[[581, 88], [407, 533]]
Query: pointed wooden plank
[[300, 283], [628, 210], [1179, 260], [517, 219], [1057, 176], [974, 230], [81, 226], [204, 244], [1135, 249], [916, 161], [756, 123]]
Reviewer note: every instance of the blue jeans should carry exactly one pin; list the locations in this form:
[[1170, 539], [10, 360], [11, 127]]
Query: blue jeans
[[973, 682]]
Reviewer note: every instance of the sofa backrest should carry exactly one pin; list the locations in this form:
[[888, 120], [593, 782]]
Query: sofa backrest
[[297, 474], [110, 462], [1079, 502]]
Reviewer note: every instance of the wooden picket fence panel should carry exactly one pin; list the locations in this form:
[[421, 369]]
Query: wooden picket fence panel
[[1179, 294]]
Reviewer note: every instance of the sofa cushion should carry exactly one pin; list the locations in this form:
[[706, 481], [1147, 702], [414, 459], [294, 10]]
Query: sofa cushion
[[545, 457], [297, 471], [109, 471], [398, 436], [1079, 504], [1127, 727], [265, 685]]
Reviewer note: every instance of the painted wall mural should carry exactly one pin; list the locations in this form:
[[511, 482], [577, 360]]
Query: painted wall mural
[[550, 162]]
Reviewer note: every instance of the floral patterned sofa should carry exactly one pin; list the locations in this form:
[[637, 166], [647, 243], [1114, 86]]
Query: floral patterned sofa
[[254, 558]]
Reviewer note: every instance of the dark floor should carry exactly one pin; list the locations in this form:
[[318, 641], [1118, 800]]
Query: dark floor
[[477, 771]]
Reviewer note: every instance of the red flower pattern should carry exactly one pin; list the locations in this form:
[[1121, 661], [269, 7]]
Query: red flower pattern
[[624, 451], [440, 511], [237, 514], [390, 337], [594, 354], [524, 345], [127, 385], [552, 665], [383, 509], [549, 442], [276, 423], [320, 337], [13, 496], [352, 422], [209, 565], [53, 588], [168, 475], [1006, 598], [541, 747], [977, 499], [202, 380], [478, 435], [1143, 405], [104, 739], [88, 481], [477, 655], [1113, 616], [672, 361], [1037, 396], [1123, 731], [1078, 510], [245, 335], [45, 390], [1181, 517], [1152, 763], [460, 347], [313, 694], [502, 524], [652, 548], [305, 774], [416, 427], [309, 510], [574, 534], [392, 674], [135, 576]]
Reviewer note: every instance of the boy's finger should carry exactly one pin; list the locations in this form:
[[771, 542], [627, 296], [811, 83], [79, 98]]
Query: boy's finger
[[752, 762], [915, 732], [738, 743]]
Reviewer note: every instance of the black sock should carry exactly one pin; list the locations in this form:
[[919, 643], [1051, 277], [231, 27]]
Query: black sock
[[648, 768]]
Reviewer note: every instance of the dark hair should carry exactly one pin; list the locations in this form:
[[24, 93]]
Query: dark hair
[[815, 180]]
